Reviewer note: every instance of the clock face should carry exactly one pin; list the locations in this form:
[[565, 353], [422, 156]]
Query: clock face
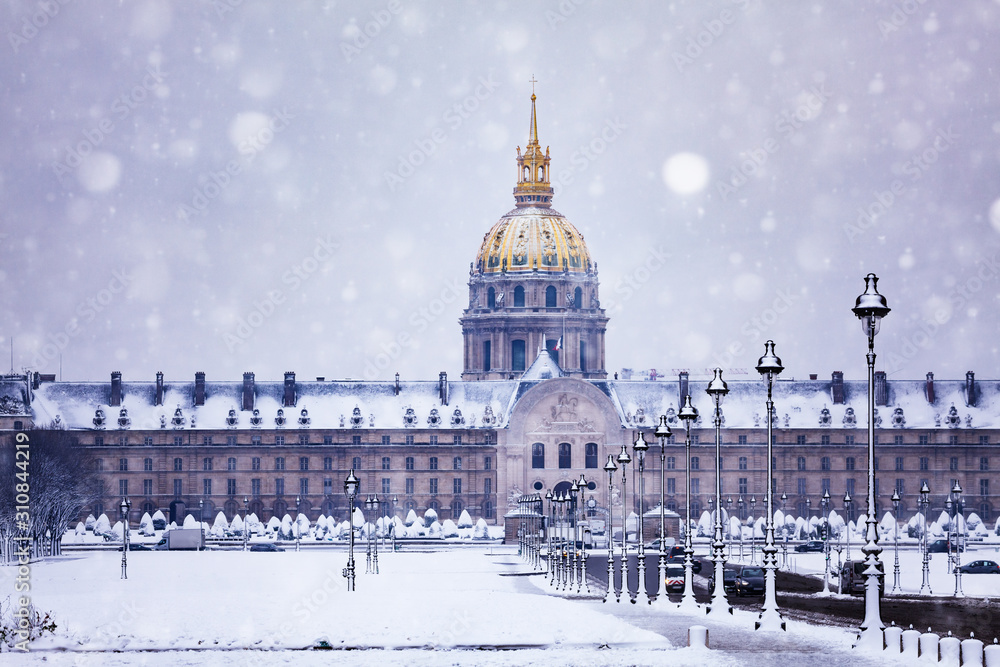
[[591, 503]]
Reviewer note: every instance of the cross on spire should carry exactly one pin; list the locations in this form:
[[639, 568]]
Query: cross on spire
[[532, 81]]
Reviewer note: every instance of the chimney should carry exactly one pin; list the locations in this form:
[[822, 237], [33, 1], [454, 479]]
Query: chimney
[[881, 389], [443, 387], [837, 388], [116, 388], [970, 389], [396, 387], [929, 388], [289, 399], [248, 391], [158, 399], [199, 388], [814, 376], [682, 387]]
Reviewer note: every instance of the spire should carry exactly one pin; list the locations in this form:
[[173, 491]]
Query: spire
[[533, 187]]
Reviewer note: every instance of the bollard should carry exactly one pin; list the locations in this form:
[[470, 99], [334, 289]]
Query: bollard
[[698, 636], [951, 651], [972, 652], [911, 639], [929, 646], [893, 639], [991, 654]]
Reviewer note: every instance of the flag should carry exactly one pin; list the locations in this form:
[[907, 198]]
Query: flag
[[558, 344]]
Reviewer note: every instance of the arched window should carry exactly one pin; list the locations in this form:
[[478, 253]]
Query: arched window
[[517, 355], [550, 297], [541, 173], [456, 509], [519, 297], [583, 355], [590, 455], [491, 298], [565, 455], [487, 360], [578, 298], [538, 455]]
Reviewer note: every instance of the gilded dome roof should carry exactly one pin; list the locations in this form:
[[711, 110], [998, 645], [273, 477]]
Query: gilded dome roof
[[530, 239]]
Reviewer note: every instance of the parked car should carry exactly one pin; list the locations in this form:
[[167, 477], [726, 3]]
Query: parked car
[[750, 580], [137, 546], [266, 546], [811, 545], [852, 577], [728, 580], [980, 567], [675, 578], [941, 547]]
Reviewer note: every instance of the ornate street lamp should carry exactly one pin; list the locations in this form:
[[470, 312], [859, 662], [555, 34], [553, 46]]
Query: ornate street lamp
[[896, 587], [375, 505], [395, 501], [573, 556], [623, 460], [753, 531], [368, 534], [125, 507], [582, 484], [610, 468], [925, 581], [784, 530], [662, 433], [246, 526], [740, 503], [729, 523], [825, 503], [769, 366], [950, 560], [640, 448], [956, 492], [870, 307], [549, 562], [298, 504], [688, 414], [717, 389], [351, 485], [847, 508]]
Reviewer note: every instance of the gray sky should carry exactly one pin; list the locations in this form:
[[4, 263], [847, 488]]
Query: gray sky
[[229, 186]]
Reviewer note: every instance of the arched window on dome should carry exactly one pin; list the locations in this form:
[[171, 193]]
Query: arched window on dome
[[550, 297], [578, 298], [491, 298], [487, 361], [526, 175], [541, 173], [519, 298]]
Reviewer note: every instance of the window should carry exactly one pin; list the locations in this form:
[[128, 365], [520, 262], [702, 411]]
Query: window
[[897, 440], [409, 486], [741, 440], [876, 439], [279, 463], [800, 440], [984, 463], [876, 463], [456, 463], [824, 463], [327, 440], [206, 487], [206, 463], [550, 297], [984, 440], [279, 440], [849, 463], [801, 463], [148, 441], [824, 440], [488, 486], [899, 463], [356, 440], [206, 440], [327, 463], [178, 486], [255, 440], [801, 486], [456, 440], [231, 463], [303, 486], [99, 441], [255, 487], [255, 463], [583, 352], [849, 440], [123, 465], [743, 486], [899, 486], [147, 487], [386, 440], [952, 439], [432, 463], [984, 487], [386, 490], [408, 440], [409, 463], [517, 355], [695, 439], [538, 455], [742, 464], [147, 465], [774, 464], [456, 485], [826, 484], [923, 439], [99, 464], [519, 297], [327, 486], [695, 463], [953, 463], [230, 487], [230, 440], [279, 486], [565, 455], [671, 486], [850, 487], [303, 463], [671, 463], [487, 463], [433, 486], [487, 355], [925, 463], [303, 439], [491, 298], [178, 440], [178, 464], [695, 486], [721, 466]]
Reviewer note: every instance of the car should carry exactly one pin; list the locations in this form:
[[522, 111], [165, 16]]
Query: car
[[941, 547], [674, 579], [676, 557], [980, 567], [852, 577], [265, 546], [138, 546], [811, 546], [750, 580], [728, 581], [655, 545]]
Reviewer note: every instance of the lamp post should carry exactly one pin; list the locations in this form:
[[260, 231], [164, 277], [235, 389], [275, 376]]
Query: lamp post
[[126, 505], [572, 556], [896, 588], [368, 534], [951, 520], [688, 414], [351, 485], [825, 504], [375, 505], [246, 526], [870, 307], [925, 581], [717, 389], [784, 531], [395, 501], [769, 366], [956, 492], [298, 504], [740, 503], [662, 433], [623, 460], [753, 531], [847, 508], [582, 484], [549, 562], [729, 523], [610, 468], [639, 447]]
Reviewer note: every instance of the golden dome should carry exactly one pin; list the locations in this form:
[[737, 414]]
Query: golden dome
[[530, 239]]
